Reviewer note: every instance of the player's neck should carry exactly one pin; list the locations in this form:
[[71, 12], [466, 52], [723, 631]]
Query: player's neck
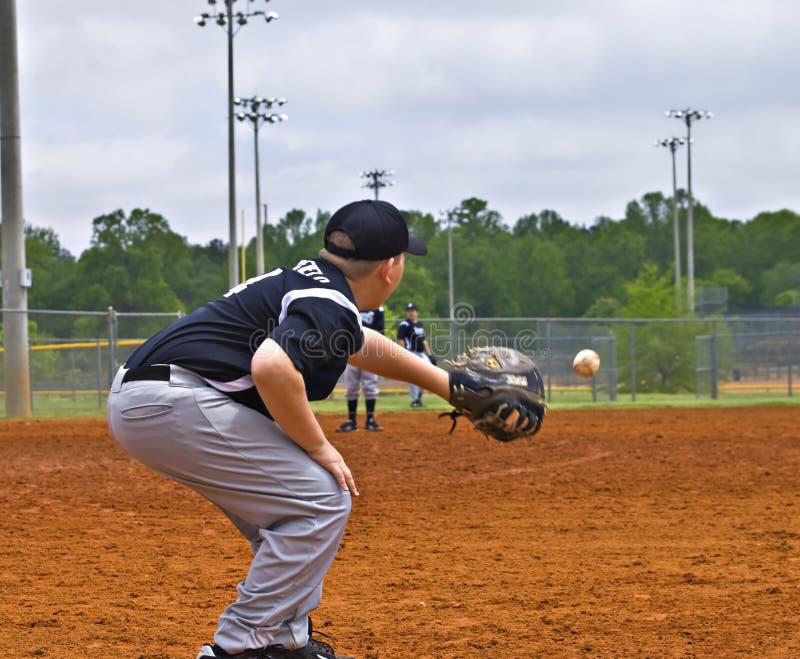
[[365, 293]]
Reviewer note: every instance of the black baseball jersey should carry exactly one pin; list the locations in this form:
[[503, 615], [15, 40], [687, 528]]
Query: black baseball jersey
[[309, 310], [412, 334], [374, 319]]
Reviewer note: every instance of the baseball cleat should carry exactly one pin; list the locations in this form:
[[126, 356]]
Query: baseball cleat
[[211, 651], [372, 425], [314, 650], [347, 426]]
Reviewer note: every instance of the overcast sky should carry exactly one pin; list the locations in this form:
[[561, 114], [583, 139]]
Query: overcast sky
[[529, 104]]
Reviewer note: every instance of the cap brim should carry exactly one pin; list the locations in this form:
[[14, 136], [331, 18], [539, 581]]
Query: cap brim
[[416, 246]]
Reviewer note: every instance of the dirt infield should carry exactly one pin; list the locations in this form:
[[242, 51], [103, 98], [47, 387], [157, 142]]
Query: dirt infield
[[646, 533]]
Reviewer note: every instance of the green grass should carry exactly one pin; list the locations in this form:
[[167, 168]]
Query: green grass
[[577, 400], [67, 406]]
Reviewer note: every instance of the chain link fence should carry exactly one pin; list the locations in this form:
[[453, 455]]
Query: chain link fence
[[74, 354]]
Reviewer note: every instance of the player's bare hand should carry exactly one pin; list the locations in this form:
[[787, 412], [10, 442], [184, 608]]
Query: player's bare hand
[[328, 457]]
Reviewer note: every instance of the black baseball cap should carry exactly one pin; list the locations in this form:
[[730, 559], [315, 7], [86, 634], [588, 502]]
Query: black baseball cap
[[411, 306], [378, 231]]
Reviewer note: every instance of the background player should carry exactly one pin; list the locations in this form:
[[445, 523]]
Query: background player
[[357, 378], [219, 402], [411, 335]]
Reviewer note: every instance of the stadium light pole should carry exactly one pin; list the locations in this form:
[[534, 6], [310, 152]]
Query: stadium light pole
[[226, 18], [672, 143], [257, 113], [15, 276], [688, 116], [377, 179]]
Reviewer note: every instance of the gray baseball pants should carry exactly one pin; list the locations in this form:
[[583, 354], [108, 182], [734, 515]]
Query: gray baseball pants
[[291, 510], [355, 378], [415, 392]]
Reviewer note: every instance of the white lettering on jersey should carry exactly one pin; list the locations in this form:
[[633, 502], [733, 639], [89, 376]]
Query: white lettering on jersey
[[367, 317], [252, 280], [311, 269]]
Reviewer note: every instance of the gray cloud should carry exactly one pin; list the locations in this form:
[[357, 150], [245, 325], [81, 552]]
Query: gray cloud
[[529, 105]]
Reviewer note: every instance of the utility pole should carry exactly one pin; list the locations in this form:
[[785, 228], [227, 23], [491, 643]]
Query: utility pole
[[673, 143], [257, 117], [16, 277], [377, 179], [688, 116], [225, 19]]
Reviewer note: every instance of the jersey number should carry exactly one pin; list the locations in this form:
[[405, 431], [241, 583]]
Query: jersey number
[[252, 280]]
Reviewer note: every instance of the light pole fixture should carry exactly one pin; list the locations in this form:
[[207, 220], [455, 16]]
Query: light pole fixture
[[232, 21], [257, 111], [688, 116], [377, 179], [672, 143]]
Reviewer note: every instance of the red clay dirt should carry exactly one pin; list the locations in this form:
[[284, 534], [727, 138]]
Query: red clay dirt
[[638, 533]]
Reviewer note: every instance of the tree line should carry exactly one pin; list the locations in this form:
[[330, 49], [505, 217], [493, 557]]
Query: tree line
[[541, 265]]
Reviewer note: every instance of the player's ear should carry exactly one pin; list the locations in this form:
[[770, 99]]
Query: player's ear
[[384, 270]]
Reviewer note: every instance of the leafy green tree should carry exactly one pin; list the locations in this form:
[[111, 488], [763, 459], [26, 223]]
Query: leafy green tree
[[664, 351], [544, 285], [209, 273], [129, 261], [780, 285]]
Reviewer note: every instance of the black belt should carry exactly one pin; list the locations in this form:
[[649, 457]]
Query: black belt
[[158, 372]]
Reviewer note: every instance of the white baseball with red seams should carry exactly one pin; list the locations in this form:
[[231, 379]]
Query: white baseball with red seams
[[586, 363]]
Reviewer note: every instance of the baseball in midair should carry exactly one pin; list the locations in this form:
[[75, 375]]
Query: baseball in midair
[[586, 363]]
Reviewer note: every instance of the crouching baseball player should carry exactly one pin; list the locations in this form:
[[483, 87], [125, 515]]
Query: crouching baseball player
[[218, 401]]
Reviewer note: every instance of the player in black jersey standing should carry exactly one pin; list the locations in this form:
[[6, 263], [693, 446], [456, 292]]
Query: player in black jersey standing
[[411, 335], [218, 401], [357, 378]]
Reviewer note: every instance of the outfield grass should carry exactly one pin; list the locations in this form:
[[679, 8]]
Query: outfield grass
[[68, 406]]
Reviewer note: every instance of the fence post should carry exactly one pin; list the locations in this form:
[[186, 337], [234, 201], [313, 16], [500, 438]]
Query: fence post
[[789, 359], [714, 390], [112, 340], [30, 377], [549, 365], [72, 370], [612, 375], [633, 361], [99, 375]]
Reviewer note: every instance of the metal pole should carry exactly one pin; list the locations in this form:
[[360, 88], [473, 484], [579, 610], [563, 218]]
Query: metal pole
[[689, 215], [714, 374], [99, 376], [233, 264], [633, 361], [676, 230], [259, 229], [450, 261], [112, 341], [16, 359], [612, 374], [451, 299]]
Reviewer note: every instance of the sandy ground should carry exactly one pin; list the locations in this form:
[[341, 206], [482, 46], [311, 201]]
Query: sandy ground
[[646, 533]]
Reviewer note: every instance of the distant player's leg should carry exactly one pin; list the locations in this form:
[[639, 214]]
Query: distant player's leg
[[352, 383], [369, 384], [414, 391]]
